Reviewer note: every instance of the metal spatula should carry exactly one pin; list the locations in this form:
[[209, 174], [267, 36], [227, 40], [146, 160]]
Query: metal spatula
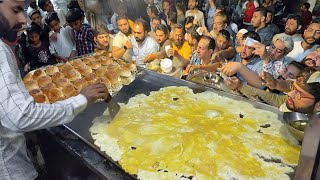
[[113, 106]]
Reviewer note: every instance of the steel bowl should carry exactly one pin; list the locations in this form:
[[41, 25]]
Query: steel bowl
[[296, 123]]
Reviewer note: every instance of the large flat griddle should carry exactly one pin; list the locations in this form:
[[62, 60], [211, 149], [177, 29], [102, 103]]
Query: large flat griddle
[[145, 82]]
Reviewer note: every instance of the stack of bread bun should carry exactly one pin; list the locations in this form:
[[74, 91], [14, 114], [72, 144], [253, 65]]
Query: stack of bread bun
[[59, 82]]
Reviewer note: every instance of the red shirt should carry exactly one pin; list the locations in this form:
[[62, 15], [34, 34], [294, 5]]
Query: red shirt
[[249, 13]]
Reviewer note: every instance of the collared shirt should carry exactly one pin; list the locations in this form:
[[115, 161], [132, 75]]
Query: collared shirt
[[195, 60], [254, 65], [64, 44], [275, 29], [275, 68], [148, 46], [184, 51], [19, 113], [84, 40], [120, 41], [298, 53], [266, 35]]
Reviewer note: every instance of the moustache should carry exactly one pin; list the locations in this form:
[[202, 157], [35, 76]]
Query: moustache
[[16, 27]]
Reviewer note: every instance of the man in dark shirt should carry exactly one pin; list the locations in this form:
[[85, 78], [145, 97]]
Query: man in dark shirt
[[306, 16], [260, 26]]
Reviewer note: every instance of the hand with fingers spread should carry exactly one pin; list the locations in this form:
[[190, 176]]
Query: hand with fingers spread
[[269, 81], [260, 50], [191, 68], [94, 92], [231, 68], [233, 83]]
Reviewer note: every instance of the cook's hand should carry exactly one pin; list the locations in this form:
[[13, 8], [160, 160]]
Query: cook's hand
[[53, 36], [231, 68], [233, 83], [270, 82], [149, 58], [129, 44], [260, 50], [191, 68], [94, 92]]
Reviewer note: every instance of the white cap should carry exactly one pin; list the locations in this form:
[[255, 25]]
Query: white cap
[[242, 31]]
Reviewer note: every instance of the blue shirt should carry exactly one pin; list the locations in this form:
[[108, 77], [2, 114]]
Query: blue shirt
[[195, 59], [255, 65], [148, 46]]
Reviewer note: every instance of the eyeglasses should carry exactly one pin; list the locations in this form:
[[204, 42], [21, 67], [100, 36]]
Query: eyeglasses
[[299, 93]]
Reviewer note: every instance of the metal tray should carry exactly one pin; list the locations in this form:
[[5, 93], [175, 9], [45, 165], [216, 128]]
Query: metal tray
[[145, 82]]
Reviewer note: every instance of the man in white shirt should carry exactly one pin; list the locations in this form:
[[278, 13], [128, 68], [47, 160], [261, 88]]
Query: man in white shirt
[[142, 43], [193, 11], [18, 111], [311, 39], [122, 46]]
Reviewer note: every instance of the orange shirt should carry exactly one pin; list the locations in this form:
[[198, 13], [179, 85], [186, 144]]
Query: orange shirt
[[185, 50]]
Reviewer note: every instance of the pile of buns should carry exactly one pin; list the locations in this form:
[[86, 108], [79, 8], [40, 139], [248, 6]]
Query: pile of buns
[[55, 83]]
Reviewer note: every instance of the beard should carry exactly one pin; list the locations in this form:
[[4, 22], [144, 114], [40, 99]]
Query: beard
[[178, 43], [315, 41], [248, 57], [6, 31], [290, 33], [301, 109]]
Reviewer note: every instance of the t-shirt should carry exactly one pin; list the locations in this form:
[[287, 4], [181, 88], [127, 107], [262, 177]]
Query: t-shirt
[[120, 41], [198, 16], [40, 56], [184, 51], [64, 44], [298, 53]]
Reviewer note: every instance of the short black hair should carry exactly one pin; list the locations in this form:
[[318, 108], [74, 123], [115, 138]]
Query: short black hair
[[42, 3], [153, 9], [73, 4], [33, 28], [162, 28], [142, 22], [225, 34], [307, 5], [252, 35], [121, 17], [193, 32], [212, 42], [262, 11], [188, 20], [297, 18], [172, 16], [33, 13], [312, 88], [53, 16], [74, 15], [156, 18]]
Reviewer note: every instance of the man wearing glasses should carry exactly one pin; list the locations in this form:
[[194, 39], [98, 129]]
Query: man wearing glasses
[[303, 97]]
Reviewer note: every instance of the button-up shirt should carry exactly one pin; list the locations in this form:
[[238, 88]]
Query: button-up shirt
[[254, 65], [19, 113], [276, 67], [148, 46], [266, 35], [84, 40]]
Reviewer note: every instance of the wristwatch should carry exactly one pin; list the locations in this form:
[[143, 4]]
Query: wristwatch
[[125, 47]]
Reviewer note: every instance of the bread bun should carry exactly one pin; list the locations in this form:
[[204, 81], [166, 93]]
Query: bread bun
[[80, 83], [50, 70], [44, 80], [69, 90], [35, 92], [41, 98], [38, 73], [131, 67], [62, 82], [100, 51], [92, 78], [28, 77], [56, 76], [73, 75], [88, 59], [55, 95], [66, 67], [30, 85], [85, 70], [105, 81], [101, 71], [104, 60], [113, 66], [124, 72], [78, 63], [113, 77], [94, 65], [46, 88]]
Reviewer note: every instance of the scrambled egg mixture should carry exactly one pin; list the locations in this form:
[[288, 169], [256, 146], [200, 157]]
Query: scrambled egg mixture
[[176, 134]]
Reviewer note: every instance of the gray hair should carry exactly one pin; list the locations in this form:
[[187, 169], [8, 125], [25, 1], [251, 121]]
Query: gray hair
[[286, 39]]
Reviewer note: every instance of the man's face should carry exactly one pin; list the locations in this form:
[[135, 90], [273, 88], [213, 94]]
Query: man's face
[[155, 23], [269, 17], [192, 4], [76, 25], [149, 13], [36, 18], [300, 100], [161, 37], [312, 34], [276, 51], [247, 52], [123, 26], [139, 33], [222, 42], [48, 7], [12, 16], [239, 42], [103, 40], [178, 37], [166, 7], [256, 19], [291, 27], [202, 48], [218, 24], [55, 26], [303, 8], [289, 73], [313, 59]]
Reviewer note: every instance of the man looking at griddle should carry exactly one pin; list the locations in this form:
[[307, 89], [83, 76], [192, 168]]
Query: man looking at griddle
[[18, 111]]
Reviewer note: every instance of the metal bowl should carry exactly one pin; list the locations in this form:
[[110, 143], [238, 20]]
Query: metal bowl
[[296, 123], [211, 78]]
